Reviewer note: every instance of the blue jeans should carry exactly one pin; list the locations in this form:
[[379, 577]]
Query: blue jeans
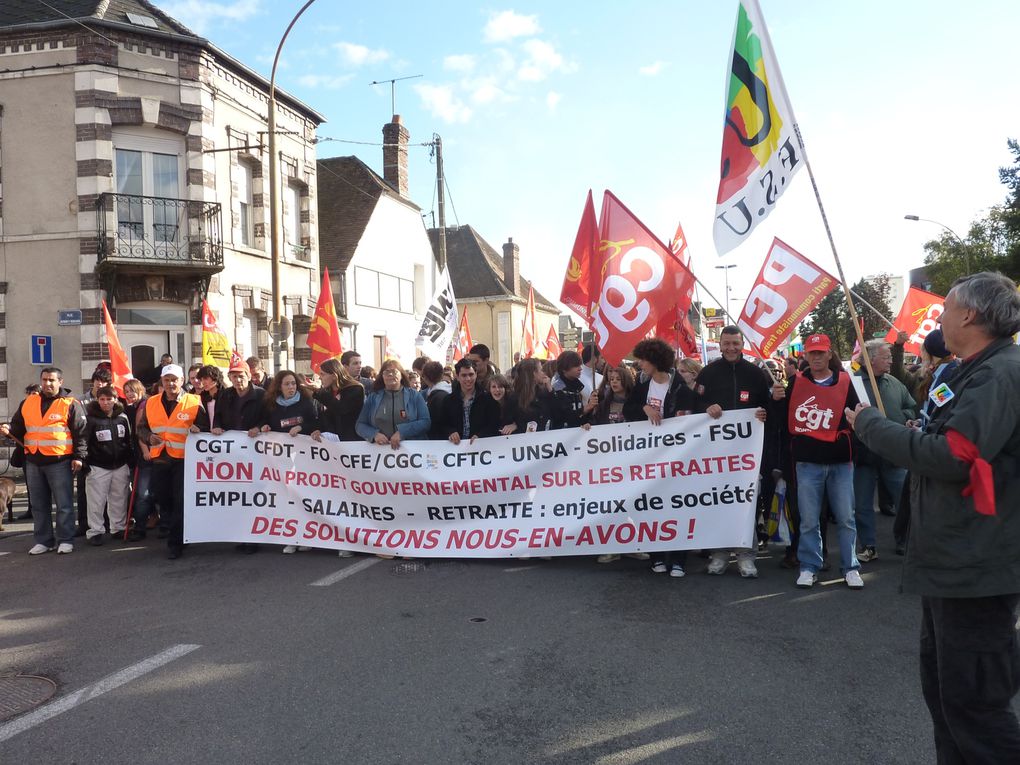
[[143, 494], [49, 484], [836, 482], [865, 481]]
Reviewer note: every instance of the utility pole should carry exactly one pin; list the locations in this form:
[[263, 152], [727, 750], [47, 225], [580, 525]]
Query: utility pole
[[441, 197]]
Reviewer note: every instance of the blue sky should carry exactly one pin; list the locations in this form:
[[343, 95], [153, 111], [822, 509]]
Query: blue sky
[[905, 107]]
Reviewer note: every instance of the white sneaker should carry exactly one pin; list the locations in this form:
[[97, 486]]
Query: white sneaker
[[64, 548], [854, 580], [677, 571], [747, 569], [659, 567], [806, 579], [717, 566], [345, 554], [607, 558], [39, 550], [303, 548], [289, 549]]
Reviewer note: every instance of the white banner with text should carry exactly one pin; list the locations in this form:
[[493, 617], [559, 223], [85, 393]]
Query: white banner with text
[[690, 483]]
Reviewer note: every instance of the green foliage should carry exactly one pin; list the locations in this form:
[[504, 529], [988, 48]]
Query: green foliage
[[832, 316], [992, 243]]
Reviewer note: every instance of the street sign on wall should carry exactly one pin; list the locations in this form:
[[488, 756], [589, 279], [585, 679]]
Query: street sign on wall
[[42, 350]]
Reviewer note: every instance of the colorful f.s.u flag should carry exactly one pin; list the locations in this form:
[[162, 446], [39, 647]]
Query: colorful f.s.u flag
[[761, 150]]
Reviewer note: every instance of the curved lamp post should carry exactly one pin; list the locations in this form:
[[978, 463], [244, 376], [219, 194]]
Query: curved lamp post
[[963, 245]]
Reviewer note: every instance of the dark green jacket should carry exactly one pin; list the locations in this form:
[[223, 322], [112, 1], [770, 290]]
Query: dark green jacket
[[953, 551], [899, 404]]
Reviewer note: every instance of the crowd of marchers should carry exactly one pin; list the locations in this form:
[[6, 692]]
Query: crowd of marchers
[[127, 455]]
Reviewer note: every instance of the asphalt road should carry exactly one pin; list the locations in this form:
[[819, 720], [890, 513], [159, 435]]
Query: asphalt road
[[454, 661]]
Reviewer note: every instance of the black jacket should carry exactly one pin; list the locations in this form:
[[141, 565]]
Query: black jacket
[[566, 408], [282, 418], [739, 385], [235, 413], [679, 399], [537, 411], [110, 441], [483, 421], [340, 412]]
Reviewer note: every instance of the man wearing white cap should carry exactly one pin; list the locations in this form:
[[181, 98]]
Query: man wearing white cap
[[163, 428]]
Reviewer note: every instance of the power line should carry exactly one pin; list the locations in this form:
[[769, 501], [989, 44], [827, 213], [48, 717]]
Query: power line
[[78, 22]]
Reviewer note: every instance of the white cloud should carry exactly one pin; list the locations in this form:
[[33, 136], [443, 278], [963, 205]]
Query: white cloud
[[485, 90], [652, 69], [464, 62], [357, 55], [443, 103], [552, 99], [199, 15], [542, 60], [508, 25], [327, 81]]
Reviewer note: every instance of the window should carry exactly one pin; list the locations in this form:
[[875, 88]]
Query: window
[[244, 199], [376, 290], [292, 222], [150, 213]]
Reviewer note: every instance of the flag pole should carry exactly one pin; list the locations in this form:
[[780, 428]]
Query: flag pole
[[878, 313], [839, 268]]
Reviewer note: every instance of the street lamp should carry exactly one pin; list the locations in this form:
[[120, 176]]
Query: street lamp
[[963, 245], [280, 327], [726, 273]]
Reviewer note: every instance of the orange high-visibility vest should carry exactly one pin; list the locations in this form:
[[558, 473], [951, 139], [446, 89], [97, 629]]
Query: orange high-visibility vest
[[48, 434], [173, 429]]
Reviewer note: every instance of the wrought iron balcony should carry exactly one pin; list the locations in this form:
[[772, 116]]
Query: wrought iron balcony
[[158, 234]]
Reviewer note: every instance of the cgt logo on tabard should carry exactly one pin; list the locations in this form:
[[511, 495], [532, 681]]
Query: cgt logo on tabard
[[813, 416]]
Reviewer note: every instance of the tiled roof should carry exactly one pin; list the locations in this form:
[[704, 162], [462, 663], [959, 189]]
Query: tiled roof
[[19, 12], [476, 269], [348, 191]]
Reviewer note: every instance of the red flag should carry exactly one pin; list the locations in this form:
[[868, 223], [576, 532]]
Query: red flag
[[788, 289], [675, 328], [639, 281], [463, 338], [580, 346], [552, 344], [578, 283], [918, 316], [119, 366], [679, 246], [324, 334], [530, 342]]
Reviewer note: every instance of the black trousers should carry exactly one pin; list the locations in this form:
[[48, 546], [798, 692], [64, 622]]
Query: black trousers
[[168, 485], [970, 671]]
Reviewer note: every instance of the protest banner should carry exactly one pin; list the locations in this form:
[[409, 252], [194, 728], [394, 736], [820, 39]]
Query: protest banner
[[788, 289], [439, 328], [689, 483]]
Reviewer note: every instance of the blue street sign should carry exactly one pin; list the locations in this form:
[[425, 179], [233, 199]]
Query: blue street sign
[[42, 349]]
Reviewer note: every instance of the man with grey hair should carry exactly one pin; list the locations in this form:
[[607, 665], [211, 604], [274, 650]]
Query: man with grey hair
[[963, 557], [869, 467]]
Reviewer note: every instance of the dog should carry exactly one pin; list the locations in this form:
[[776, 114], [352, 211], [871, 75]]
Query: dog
[[7, 491]]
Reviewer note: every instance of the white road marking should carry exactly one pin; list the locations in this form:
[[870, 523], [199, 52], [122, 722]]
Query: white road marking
[[89, 692], [128, 549], [519, 568], [343, 573], [4, 553], [756, 597]]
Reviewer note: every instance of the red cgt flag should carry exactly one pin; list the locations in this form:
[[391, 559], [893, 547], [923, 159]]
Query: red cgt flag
[[640, 280], [675, 328], [463, 338], [530, 342], [324, 334], [552, 344], [919, 315], [788, 289], [578, 283], [119, 366]]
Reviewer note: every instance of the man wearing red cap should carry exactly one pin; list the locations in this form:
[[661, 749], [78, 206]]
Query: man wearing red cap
[[963, 556], [820, 445]]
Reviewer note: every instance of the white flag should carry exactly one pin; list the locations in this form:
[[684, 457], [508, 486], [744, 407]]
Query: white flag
[[439, 329]]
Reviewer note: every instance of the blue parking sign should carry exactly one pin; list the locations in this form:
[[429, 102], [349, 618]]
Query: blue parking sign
[[42, 349]]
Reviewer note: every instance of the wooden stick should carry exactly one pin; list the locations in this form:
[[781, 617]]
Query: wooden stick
[[775, 380]]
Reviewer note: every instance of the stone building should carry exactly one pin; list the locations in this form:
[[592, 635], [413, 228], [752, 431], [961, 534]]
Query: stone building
[[134, 168]]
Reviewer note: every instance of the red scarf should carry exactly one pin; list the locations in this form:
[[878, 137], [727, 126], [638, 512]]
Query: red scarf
[[982, 485]]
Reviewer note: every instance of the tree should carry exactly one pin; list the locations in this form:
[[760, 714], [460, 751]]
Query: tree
[[992, 243], [832, 316]]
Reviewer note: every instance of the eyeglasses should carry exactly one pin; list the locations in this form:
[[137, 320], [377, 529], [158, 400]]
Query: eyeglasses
[[392, 372]]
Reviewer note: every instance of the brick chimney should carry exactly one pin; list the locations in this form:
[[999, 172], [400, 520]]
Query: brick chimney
[[512, 266], [395, 138]]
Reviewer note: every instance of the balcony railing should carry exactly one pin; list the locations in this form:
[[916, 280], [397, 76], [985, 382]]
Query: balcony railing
[[158, 231]]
